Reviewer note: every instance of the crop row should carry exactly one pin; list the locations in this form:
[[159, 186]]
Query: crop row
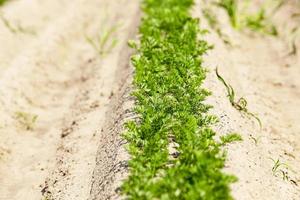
[[173, 151]]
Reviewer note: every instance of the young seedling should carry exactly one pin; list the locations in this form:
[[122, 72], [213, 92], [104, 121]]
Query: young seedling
[[258, 22], [27, 120], [231, 8], [241, 103], [16, 28], [280, 168], [102, 44], [255, 139]]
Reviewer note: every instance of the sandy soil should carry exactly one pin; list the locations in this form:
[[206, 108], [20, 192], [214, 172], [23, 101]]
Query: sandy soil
[[259, 70], [49, 70]]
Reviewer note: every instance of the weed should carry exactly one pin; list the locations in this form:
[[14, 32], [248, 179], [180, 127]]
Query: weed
[[170, 102], [258, 22], [102, 44], [17, 28], [255, 139], [241, 103], [231, 7], [27, 120], [280, 168]]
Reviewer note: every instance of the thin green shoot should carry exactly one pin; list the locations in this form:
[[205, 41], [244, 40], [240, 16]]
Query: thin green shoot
[[282, 169], [255, 139], [16, 28], [103, 43], [231, 7], [277, 165], [241, 103]]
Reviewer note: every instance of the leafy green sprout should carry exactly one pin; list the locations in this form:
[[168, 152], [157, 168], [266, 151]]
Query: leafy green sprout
[[280, 168], [27, 120], [102, 43], [258, 22], [229, 138], [241, 103]]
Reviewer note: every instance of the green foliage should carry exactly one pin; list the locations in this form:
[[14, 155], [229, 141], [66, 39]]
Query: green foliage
[[258, 22], [169, 102], [232, 137], [2, 2], [241, 104]]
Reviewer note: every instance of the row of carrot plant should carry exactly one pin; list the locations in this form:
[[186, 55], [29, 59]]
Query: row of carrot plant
[[171, 111]]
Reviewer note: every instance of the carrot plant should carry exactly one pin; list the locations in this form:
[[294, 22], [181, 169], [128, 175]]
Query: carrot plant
[[170, 104]]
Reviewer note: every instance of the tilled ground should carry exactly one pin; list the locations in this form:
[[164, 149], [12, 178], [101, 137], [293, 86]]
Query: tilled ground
[[50, 70], [259, 69]]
